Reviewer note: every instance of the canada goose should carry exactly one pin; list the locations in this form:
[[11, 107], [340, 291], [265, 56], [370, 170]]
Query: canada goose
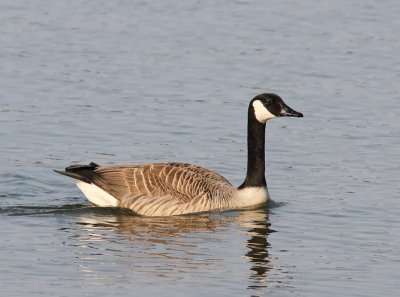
[[166, 189]]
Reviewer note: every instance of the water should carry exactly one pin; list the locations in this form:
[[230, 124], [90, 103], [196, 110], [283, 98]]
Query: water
[[130, 81]]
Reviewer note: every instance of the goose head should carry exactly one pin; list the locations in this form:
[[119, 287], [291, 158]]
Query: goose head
[[268, 106]]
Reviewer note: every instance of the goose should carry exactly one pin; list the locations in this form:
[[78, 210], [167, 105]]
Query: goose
[[169, 189]]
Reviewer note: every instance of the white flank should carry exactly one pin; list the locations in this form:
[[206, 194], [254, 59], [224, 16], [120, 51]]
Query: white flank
[[253, 196], [262, 114], [96, 195]]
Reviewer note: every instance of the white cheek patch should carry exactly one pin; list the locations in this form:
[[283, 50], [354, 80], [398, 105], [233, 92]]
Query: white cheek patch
[[262, 114]]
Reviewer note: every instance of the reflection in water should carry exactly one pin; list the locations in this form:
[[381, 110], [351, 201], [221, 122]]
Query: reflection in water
[[173, 247], [258, 250]]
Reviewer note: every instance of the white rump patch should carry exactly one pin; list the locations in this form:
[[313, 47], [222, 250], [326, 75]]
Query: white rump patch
[[253, 196], [96, 195], [262, 114]]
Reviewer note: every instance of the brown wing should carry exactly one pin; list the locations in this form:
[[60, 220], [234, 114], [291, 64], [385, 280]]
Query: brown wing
[[182, 182]]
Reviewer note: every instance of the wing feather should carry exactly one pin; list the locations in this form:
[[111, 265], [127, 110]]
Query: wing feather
[[157, 179], [161, 188]]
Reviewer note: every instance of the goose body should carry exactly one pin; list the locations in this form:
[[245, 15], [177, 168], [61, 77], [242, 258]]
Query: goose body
[[166, 189]]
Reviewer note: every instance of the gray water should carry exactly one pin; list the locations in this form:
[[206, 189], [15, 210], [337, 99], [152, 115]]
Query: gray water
[[135, 81]]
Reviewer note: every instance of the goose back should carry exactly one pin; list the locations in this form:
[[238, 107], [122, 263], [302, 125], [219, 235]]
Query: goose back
[[162, 188], [180, 180]]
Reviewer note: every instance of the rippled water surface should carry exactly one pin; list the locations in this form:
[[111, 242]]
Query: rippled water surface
[[136, 81]]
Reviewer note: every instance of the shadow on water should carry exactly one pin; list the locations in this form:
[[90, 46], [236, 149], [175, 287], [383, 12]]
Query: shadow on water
[[177, 242]]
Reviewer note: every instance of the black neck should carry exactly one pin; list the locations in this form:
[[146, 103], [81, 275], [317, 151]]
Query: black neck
[[255, 176]]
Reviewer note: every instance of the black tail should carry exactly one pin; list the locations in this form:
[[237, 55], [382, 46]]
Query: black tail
[[80, 172]]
